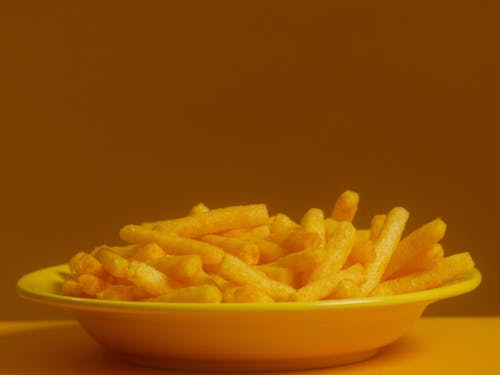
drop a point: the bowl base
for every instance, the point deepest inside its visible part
(249, 365)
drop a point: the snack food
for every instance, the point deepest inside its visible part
(241, 254)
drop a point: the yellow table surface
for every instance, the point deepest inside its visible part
(468, 345)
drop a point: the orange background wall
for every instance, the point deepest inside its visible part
(116, 112)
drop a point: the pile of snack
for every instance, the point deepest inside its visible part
(241, 254)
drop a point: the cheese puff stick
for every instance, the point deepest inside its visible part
(410, 246)
(314, 221)
(240, 273)
(384, 247)
(346, 206)
(337, 250)
(447, 269)
(200, 208)
(191, 294)
(216, 221)
(324, 287)
(172, 244)
(246, 250)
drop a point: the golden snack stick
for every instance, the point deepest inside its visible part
(235, 232)
(281, 274)
(172, 244)
(301, 279)
(426, 260)
(299, 240)
(202, 279)
(362, 234)
(337, 250)
(410, 246)
(346, 206)
(324, 287)
(376, 225)
(347, 289)
(270, 220)
(314, 221)
(148, 278)
(197, 223)
(112, 262)
(148, 253)
(83, 263)
(268, 250)
(218, 281)
(183, 268)
(240, 273)
(261, 231)
(431, 257)
(122, 293)
(216, 221)
(302, 261)
(211, 268)
(118, 280)
(385, 246)
(126, 251)
(246, 250)
(150, 224)
(330, 226)
(362, 252)
(198, 293)
(281, 227)
(200, 208)
(92, 284)
(246, 294)
(447, 269)
(228, 292)
(72, 288)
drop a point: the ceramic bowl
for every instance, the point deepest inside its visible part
(245, 336)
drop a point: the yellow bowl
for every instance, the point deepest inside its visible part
(248, 337)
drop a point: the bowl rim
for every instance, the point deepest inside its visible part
(29, 287)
